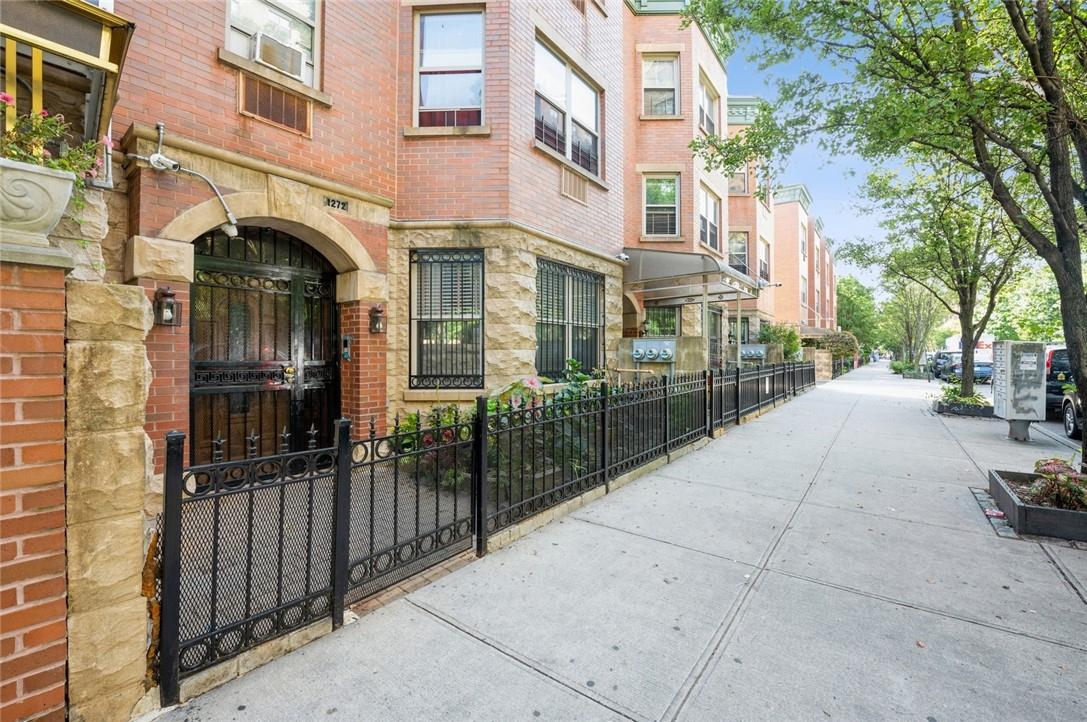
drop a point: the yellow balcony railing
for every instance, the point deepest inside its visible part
(66, 55)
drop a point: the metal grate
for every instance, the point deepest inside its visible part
(574, 186)
(274, 105)
(446, 318)
(569, 318)
(550, 125)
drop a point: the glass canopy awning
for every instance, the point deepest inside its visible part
(676, 278)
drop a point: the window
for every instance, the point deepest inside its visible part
(764, 259)
(804, 290)
(662, 205)
(662, 321)
(449, 63)
(709, 215)
(707, 107)
(287, 29)
(569, 318)
(446, 319)
(804, 241)
(737, 182)
(818, 301)
(659, 85)
(567, 109)
(737, 250)
(745, 330)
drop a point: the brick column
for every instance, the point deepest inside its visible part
(362, 378)
(33, 604)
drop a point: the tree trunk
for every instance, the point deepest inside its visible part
(1074, 311)
(966, 331)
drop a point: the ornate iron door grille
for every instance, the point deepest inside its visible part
(263, 370)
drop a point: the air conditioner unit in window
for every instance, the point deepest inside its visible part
(269, 51)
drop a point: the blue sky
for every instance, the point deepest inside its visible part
(832, 181)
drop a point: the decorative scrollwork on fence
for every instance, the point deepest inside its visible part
(230, 476)
(240, 280)
(237, 376)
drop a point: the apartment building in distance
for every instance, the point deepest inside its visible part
(804, 264)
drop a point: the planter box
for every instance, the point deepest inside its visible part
(981, 412)
(32, 201)
(1031, 519)
(917, 375)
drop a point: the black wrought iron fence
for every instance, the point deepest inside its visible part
(256, 548)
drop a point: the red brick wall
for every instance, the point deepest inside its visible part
(33, 604)
(184, 85)
(168, 354)
(362, 379)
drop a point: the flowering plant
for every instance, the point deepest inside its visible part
(41, 139)
(1059, 485)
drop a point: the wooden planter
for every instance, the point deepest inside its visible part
(1031, 519)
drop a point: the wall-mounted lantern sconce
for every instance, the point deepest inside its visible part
(167, 308)
(377, 319)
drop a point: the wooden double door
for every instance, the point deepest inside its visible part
(264, 372)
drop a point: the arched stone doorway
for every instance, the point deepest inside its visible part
(264, 370)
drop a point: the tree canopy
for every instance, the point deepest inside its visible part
(857, 311)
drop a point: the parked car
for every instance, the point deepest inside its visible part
(942, 361)
(1072, 415)
(1058, 373)
(983, 371)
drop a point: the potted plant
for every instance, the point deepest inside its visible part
(951, 401)
(1050, 502)
(39, 174)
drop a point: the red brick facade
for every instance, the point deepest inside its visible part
(33, 602)
(168, 354)
(362, 377)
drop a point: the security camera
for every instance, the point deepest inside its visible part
(229, 229)
(623, 257)
(160, 162)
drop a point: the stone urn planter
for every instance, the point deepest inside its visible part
(981, 412)
(32, 201)
(1030, 518)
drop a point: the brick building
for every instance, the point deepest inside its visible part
(804, 264)
(314, 209)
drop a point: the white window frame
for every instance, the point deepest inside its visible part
(742, 173)
(804, 241)
(708, 197)
(709, 105)
(803, 290)
(747, 248)
(318, 36)
(417, 55)
(645, 205)
(567, 112)
(763, 256)
(676, 83)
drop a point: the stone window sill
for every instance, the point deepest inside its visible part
(449, 130)
(643, 116)
(550, 152)
(269, 75)
(661, 239)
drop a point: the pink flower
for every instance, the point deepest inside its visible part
(46, 153)
(44, 113)
(532, 382)
(6, 99)
(97, 162)
(107, 141)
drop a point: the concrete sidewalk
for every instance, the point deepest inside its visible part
(825, 561)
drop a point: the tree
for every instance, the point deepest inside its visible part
(945, 235)
(857, 311)
(841, 344)
(997, 87)
(783, 334)
(1029, 309)
(910, 316)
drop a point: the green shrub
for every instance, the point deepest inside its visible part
(783, 334)
(952, 394)
(1059, 485)
(898, 367)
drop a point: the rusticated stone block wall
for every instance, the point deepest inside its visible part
(107, 474)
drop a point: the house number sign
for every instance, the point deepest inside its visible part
(335, 204)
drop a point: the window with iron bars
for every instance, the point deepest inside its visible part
(446, 319)
(569, 318)
(662, 321)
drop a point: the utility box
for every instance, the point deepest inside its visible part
(1019, 385)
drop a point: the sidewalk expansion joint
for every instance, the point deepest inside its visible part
(723, 634)
(1065, 573)
(527, 662)
(930, 610)
(665, 542)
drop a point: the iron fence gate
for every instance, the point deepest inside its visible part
(255, 548)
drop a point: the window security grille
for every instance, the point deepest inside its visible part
(446, 319)
(569, 318)
(662, 321)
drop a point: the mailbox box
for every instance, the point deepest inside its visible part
(1019, 385)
